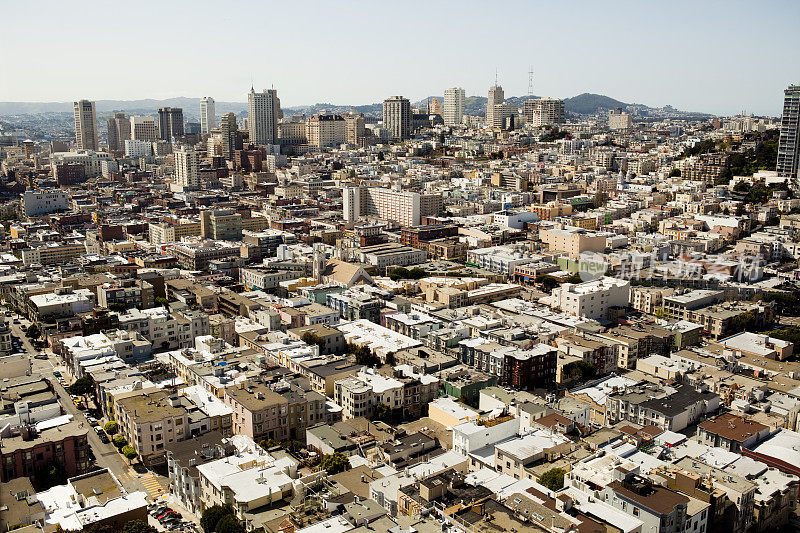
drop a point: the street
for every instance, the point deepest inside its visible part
(106, 455)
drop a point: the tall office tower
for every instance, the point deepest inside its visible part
(263, 113)
(208, 117)
(453, 110)
(789, 140)
(544, 111)
(354, 125)
(170, 122)
(187, 168)
(397, 117)
(144, 129)
(230, 135)
(119, 131)
(434, 107)
(496, 96)
(85, 125)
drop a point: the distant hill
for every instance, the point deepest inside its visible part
(190, 106)
(588, 103)
(583, 104)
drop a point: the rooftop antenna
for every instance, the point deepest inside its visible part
(530, 81)
(495, 77)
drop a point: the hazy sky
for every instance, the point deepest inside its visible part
(719, 57)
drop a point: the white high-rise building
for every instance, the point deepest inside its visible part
(187, 168)
(264, 111)
(453, 109)
(85, 125)
(144, 129)
(136, 148)
(208, 117)
(401, 206)
(496, 97)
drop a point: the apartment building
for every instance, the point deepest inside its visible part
(326, 130)
(151, 420)
(38, 202)
(572, 241)
(591, 299)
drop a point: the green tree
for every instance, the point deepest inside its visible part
(161, 301)
(33, 332)
(579, 370)
(138, 526)
(229, 524)
(111, 427)
(128, 451)
(553, 479)
(82, 387)
(119, 441)
(335, 463)
(390, 359)
(548, 283)
(309, 337)
(382, 412)
(212, 516)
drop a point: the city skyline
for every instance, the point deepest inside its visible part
(661, 56)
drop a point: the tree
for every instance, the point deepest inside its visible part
(33, 332)
(128, 451)
(119, 441)
(309, 337)
(138, 526)
(553, 479)
(335, 463)
(229, 524)
(111, 427)
(579, 370)
(382, 412)
(548, 283)
(82, 386)
(163, 302)
(390, 360)
(212, 516)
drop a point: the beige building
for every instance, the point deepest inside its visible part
(354, 128)
(572, 241)
(326, 130)
(150, 420)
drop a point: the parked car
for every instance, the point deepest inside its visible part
(57, 374)
(40, 356)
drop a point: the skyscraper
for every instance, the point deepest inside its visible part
(119, 131)
(354, 125)
(789, 141)
(170, 122)
(85, 125)
(397, 117)
(208, 117)
(144, 129)
(187, 168)
(230, 135)
(496, 97)
(263, 111)
(453, 109)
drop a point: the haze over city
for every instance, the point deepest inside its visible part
(408, 267)
(714, 57)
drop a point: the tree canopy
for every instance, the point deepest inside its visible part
(212, 516)
(82, 386)
(138, 526)
(111, 427)
(335, 463)
(553, 479)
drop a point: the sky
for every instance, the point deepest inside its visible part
(720, 57)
